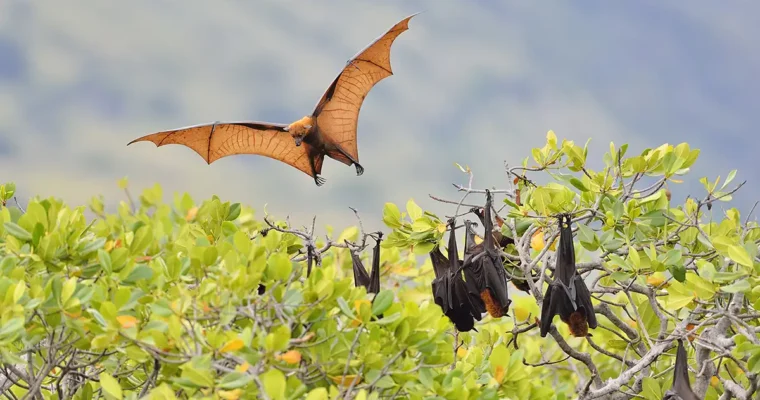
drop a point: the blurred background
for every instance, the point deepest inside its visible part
(478, 83)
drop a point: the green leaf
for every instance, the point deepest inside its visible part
(279, 266)
(233, 212)
(345, 308)
(413, 210)
(382, 301)
(105, 260)
(578, 184)
(17, 231)
(274, 383)
(391, 216)
(736, 287)
(739, 255)
(235, 380)
(319, 393)
(110, 385)
(12, 328)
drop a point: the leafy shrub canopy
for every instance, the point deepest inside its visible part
(183, 299)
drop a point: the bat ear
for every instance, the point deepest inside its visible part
(286, 129)
(307, 126)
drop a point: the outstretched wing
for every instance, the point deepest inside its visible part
(337, 112)
(221, 139)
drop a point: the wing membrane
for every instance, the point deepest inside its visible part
(222, 139)
(337, 112)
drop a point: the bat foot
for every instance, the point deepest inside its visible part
(359, 169)
(319, 180)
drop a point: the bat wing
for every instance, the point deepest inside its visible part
(374, 276)
(360, 273)
(462, 313)
(440, 285)
(496, 280)
(221, 139)
(583, 299)
(337, 112)
(681, 388)
(552, 300)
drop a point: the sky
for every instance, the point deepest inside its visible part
(478, 83)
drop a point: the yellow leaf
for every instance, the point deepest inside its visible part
(358, 304)
(714, 381)
(191, 213)
(521, 313)
(233, 345)
(441, 228)
(108, 246)
(537, 242)
(653, 280)
(243, 367)
(230, 394)
(461, 352)
(478, 240)
(499, 375)
(291, 357)
(345, 380)
(126, 321)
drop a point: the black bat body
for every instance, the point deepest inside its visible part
(361, 278)
(568, 295)
(681, 389)
(484, 268)
(502, 241)
(450, 291)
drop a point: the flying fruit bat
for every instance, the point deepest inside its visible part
(681, 388)
(568, 295)
(450, 291)
(485, 270)
(371, 281)
(330, 130)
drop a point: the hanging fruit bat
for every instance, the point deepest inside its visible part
(450, 291)
(568, 295)
(503, 241)
(330, 130)
(517, 277)
(681, 388)
(371, 281)
(485, 270)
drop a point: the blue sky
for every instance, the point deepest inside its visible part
(78, 80)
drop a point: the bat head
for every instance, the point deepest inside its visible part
(299, 129)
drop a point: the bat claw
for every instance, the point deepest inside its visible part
(359, 169)
(319, 180)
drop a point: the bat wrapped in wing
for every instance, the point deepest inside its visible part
(370, 281)
(330, 130)
(484, 269)
(567, 296)
(450, 291)
(518, 279)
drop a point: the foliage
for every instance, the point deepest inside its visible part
(203, 300)
(659, 270)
